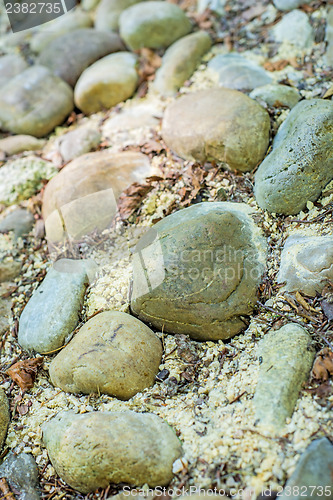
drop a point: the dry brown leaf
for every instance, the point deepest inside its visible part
(23, 373)
(276, 66)
(323, 365)
(131, 198)
(253, 11)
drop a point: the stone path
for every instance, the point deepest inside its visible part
(166, 260)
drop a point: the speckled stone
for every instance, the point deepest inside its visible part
(213, 125)
(199, 285)
(300, 164)
(313, 473)
(285, 358)
(180, 61)
(90, 451)
(21, 472)
(49, 318)
(153, 24)
(34, 102)
(113, 353)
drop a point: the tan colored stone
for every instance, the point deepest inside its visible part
(85, 191)
(9, 269)
(220, 125)
(113, 353)
(90, 451)
(18, 143)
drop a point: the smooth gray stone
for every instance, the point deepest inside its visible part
(328, 57)
(313, 475)
(73, 20)
(20, 221)
(52, 313)
(236, 72)
(306, 263)
(276, 95)
(70, 54)
(294, 28)
(79, 141)
(286, 358)
(10, 66)
(154, 25)
(108, 13)
(21, 472)
(14, 144)
(34, 102)
(301, 163)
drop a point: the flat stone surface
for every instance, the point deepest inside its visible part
(313, 473)
(113, 353)
(202, 286)
(234, 71)
(10, 65)
(70, 54)
(73, 20)
(300, 164)
(92, 450)
(4, 417)
(180, 61)
(86, 190)
(107, 82)
(276, 95)
(306, 263)
(286, 358)
(22, 178)
(49, 318)
(154, 25)
(294, 28)
(20, 221)
(21, 472)
(213, 125)
(18, 143)
(34, 102)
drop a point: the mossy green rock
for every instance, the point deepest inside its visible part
(154, 25)
(198, 270)
(90, 451)
(49, 318)
(286, 359)
(113, 353)
(22, 178)
(180, 61)
(4, 417)
(70, 54)
(110, 80)
(301, 163)
(215, 125)
(35, 102)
